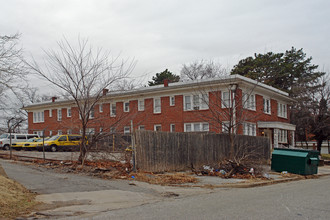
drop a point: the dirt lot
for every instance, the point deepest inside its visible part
(15, 199)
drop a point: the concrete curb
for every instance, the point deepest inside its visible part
(250, 185)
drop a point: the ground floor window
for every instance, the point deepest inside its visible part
(196, 127)
(249, 129)
(157, 127)
(126, 130)
(282, 136)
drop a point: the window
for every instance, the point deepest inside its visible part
(141, 127)
(50, 133)
(74, 138)
(282, 136)
(126, 106)
(90, 131)
(20, 137)
(38, 117)
(267, 109)
(63, 138)
(112, 130)
(126, 130)
(172, 127)
(157, 105)
(113, 110)
(249, 129)
(59, 114)
(68, 112)
(101, 107)
(172, 101)
(91, 112)
(69, 131)
(50, 113)
(195, 127)
(226, 99)
(225, 126)
(249, 101)
(157, 127)
(141, 105)
(59, 132)
(281, 110)
(101, 130)
(196, 102)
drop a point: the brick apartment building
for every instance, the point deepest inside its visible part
(208, 105)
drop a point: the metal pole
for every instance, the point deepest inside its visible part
(43, 144)
(10, 142)
(133, 147)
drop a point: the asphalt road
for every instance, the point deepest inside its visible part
(305, 199)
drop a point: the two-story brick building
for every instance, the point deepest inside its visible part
(252, 108)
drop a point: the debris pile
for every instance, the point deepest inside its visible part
(164, 179)
(232, 169)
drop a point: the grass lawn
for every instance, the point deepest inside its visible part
(15, 199)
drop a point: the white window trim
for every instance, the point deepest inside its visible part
(157, 125)
(67, 112)
(172, 100)
(225, 126)
(50, 113)
(141, 108)
(38, 117)
(124, 103)
(230, 99)
(280, 107)
(249, 101)
(111, 108)
(171, 127)
(264, 101)
(59, 116)
(69, 131)
(201, 104)
(127, 128)
(282, 136)
(160, 105)
(249, 125)
(50, 133)
(200, 125)
(92, 113)
(101, 107)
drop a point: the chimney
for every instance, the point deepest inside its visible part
(105, 91)
(165, 82)
(54, 98)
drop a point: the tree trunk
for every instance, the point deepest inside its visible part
(319, 144)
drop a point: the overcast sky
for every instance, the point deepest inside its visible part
(162, 34)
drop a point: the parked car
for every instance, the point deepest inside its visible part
(70, 142)
(34, 145)
(5, 139)
(20, 145)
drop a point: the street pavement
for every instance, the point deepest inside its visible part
(79, 196)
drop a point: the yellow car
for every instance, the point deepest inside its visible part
(70, 142)
(35, 144)
(19, 145)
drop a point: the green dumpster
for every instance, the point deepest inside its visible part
(299, 161)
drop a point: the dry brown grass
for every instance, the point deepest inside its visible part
(164, 179)
(15, 199)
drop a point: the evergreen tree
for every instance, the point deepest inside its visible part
(160, 77)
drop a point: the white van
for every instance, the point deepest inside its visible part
(5, 139)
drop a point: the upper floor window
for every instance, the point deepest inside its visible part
(249, 129)
(50, 113)
(226, 98)
(38, 117)
(59, 114)
(266, 103)
(172, 100)
(196, 102)
(281, 110)
(126, 106)
(68, 112)
(157, 105)
(91, 113)
(101, 107)
(141, 105)
(249, 101)
(113, 110)
(195, 127)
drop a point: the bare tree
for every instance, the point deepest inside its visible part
(201, 70)
(83, 74)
